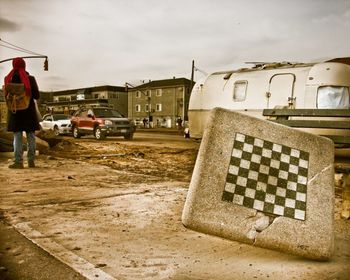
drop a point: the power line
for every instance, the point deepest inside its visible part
(17, 48)
(199, 70)
(20, 49)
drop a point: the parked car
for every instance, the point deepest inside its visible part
(58, 123)
(101, 122)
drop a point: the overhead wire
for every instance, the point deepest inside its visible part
(9, 45)
(14, 49)
(17, 48)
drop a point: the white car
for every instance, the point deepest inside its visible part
(58, 123)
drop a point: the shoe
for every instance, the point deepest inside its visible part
(31, 164)
(16, 165)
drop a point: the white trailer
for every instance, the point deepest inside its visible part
(322, 85)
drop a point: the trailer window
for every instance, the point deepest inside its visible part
(240, 90)
(332, 97)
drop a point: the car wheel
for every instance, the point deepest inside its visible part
(129, 136)
(56, 131)
(76, 133)
(99, 134)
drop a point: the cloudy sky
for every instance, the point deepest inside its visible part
(110, 42)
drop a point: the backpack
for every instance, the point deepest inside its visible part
(16, 97)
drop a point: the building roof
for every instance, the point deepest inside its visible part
(89, 89)
(72, 102)
(164, 83)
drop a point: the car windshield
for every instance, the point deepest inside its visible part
(61, 117)
(107, 113)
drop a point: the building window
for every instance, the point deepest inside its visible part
(159, 92)
(158, 107)
(240, 90)
(138, 94)
(63, 98)
(148, 93)
(112, 95)
(147, 107)
(138, 108)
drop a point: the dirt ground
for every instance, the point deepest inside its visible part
(112, 210)
(159, 159)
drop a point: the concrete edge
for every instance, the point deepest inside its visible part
(77, 263)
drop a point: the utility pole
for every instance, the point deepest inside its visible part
(189, 92)
(192, 73)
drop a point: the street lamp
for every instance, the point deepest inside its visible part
(46, 62)
(20, 49)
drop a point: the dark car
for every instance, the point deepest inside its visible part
(101, 122)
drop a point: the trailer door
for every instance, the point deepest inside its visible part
(281, 90)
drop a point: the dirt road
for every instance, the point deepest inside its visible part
(112, 210)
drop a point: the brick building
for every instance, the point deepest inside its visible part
(160, 102)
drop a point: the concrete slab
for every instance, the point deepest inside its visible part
(263, 184)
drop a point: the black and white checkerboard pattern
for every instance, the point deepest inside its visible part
(268, 177)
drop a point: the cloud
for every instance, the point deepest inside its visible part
(7, 25)
(55, 82)
(116, 41)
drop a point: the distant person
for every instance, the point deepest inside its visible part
(144, 122)
(23, 120)
(179, 123)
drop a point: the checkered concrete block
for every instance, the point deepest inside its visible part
(264, 184)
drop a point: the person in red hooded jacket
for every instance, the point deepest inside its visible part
(23, 120)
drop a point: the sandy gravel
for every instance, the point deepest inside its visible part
(117, 205)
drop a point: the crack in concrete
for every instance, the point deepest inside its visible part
(321, 172)
(259, 225)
